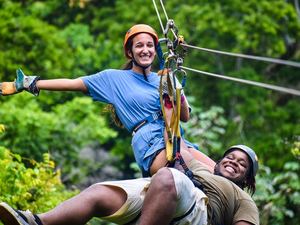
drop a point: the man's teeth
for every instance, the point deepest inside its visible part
(230, 169)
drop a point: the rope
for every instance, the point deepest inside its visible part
(259, 58)
(254, 83)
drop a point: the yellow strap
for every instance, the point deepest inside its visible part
(178, 106)
(169, 142)
(173, 129)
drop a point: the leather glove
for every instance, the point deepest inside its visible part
(169, 84)
(22, 82)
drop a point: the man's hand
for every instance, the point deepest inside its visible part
(21, 83)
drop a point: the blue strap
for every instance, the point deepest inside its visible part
(160, 56)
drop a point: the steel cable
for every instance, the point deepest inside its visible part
(258, 58)
(158, 16)
(254, 83)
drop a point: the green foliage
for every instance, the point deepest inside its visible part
(278, 195)
(257, 117)
(30, 43)
(63, 132)
(73, 38)
(37, 187)
(205, 129)
(2, 128)
(296, 150)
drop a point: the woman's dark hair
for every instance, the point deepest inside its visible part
(127, 66)
(110, 108)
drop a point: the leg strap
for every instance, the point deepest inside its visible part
(184, 215)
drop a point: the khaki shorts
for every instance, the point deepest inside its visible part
(187, 196)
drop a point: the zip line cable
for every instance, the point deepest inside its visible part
(258, 58)
(254, 83)
(166, 16)
(157, 12)
(163, 8)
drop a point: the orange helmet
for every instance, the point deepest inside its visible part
(136, 29)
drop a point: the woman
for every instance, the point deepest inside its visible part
(133, 92)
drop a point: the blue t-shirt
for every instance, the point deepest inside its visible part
(134, 99)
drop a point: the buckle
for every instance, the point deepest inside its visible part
(149, 119)
(156, 115)
(138, 127)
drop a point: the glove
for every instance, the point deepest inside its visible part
(23, 82)
(168, 85)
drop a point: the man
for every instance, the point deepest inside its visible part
(169, 197)
(227, 202)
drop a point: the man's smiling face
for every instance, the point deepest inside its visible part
(234, 166)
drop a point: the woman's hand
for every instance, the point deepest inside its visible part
(22, 82)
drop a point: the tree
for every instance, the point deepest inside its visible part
(63, 132)
(74, 38)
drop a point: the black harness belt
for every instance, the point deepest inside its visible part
(148, 119)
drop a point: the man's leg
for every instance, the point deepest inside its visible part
(160, 200)
(97, 200)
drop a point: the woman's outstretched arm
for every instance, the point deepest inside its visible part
(62, 85)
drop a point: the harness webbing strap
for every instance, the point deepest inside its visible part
(173, 126)
(149, 119)
(184, 215)
(187, 171)
(168, 87)
(160, 55)
(169, 144)
(176, 219)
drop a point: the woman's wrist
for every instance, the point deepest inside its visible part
(182, 99)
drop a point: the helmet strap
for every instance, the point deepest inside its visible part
(142, 67)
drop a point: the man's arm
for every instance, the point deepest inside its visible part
(190, 153)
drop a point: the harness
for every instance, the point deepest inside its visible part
(172, 89)
(148, 119)
(176, 219)
(170, 66)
